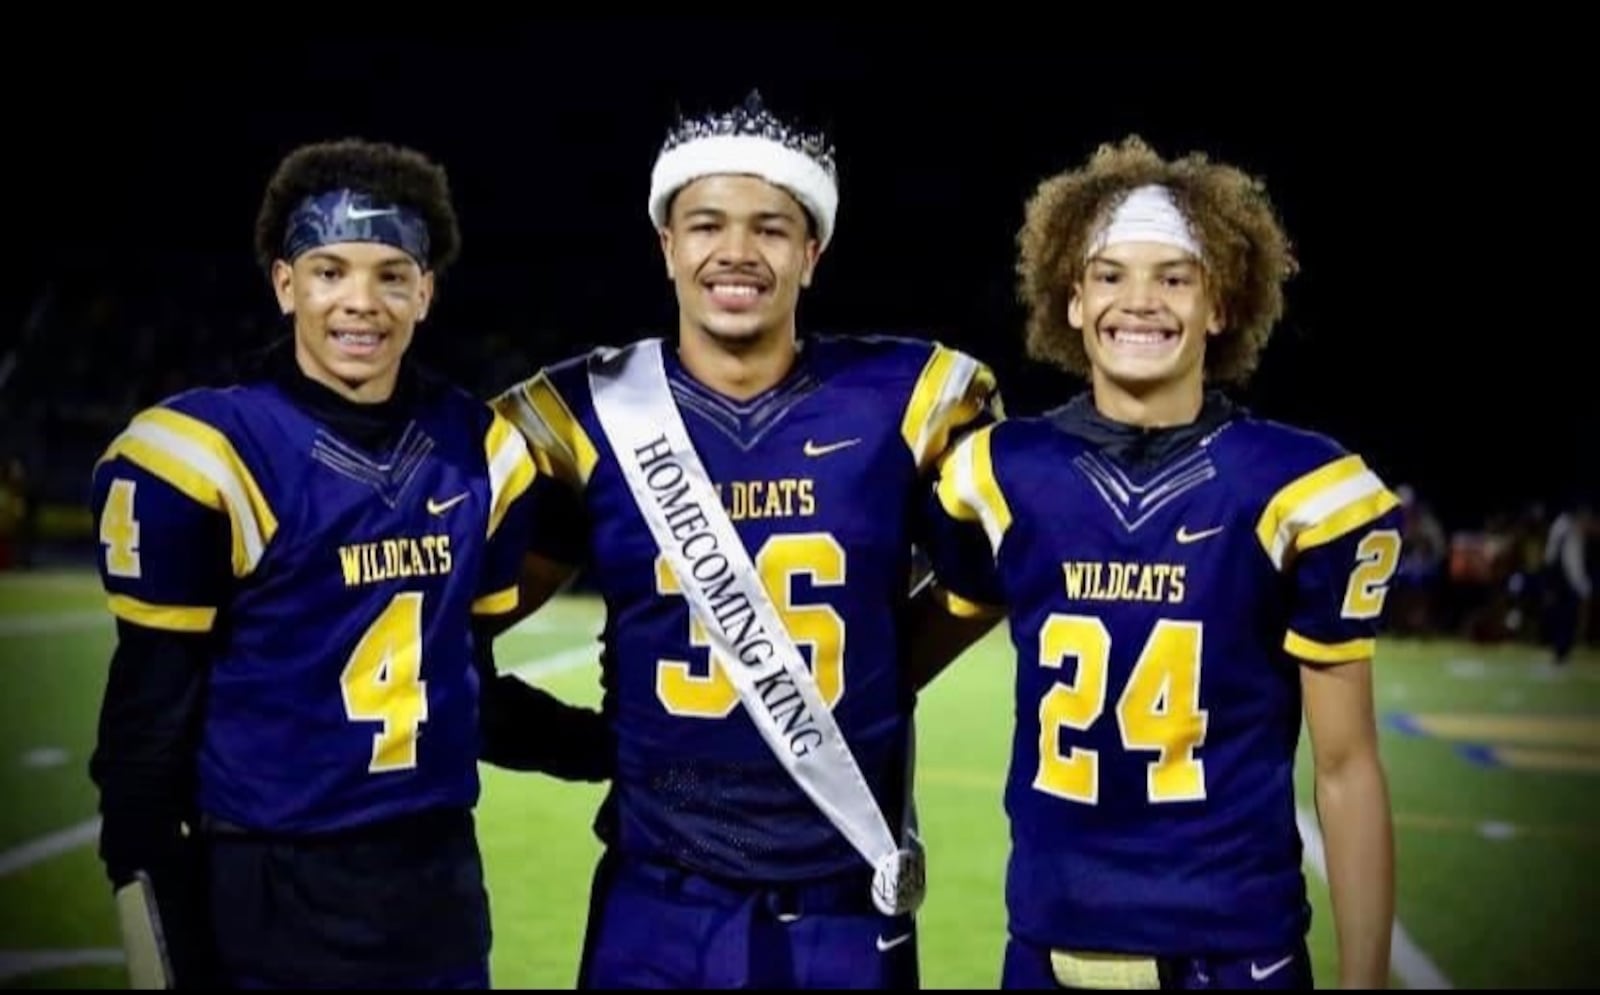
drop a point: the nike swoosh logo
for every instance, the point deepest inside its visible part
(891, 944)
(362, 213)
(811, 448)
(1185, 536)
(1258, 973)
(440, 507)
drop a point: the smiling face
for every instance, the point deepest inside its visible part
(738, 251)
(1145, 312)
(356, 306)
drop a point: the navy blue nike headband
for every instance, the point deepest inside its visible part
(354, 216)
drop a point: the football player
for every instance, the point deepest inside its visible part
(747, 500)
(1182, 578)
(288, 742)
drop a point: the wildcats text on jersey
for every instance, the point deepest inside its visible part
(386, 559)
(1109, 581)
(786, 497)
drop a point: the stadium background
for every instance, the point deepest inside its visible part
(1434, 329)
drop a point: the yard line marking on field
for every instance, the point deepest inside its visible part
(43, 757)
(533, 624)
(1585, 834)
(49, 623)
(558, 662)
(1580, 732)
(1521, 669)
(49, 845)
(49, 580)
(16, 964)
(1409, 962)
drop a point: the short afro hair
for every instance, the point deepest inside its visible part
(388, 173)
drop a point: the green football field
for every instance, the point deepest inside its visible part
(1494, 765)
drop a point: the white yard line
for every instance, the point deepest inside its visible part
(49, 845)
(534, 623)
(21, 963)
(1412, 965)
(52, 622)
(557, 662)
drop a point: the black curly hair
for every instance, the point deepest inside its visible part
(389, 173)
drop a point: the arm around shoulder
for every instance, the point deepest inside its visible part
(526, 728)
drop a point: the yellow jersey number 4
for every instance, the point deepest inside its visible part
(382, 682)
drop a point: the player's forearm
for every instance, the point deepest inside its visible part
(144, 757)
(541, 579)
(1353, 806)
(527, 728)
(936, 637)
(143, 765)
(522, 727)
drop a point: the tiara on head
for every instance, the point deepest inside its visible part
(753, 118)
(749, 139)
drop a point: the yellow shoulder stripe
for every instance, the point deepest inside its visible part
(511, 469)
(950, 392)
(173, 618)
(200, 461)
(1321, 506)
(968, 489)
(560, 446)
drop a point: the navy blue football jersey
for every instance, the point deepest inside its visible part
(1159, 622)
(339, 585)
(823, 478)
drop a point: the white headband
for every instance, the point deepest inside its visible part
(1147, 214)
(773, 161)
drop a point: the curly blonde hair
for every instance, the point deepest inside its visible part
(1246, 254)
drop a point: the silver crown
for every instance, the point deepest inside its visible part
(753, 118)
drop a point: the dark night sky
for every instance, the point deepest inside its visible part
(1394, 168)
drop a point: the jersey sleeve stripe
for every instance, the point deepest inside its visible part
(498, 603)
(173, 618)
(200, 461)
(538, 410)
(961, 607)
(950, 392)
(511, 469)
(1353, 515)
(1315, 652)
(1319, 507)
(969, 491)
